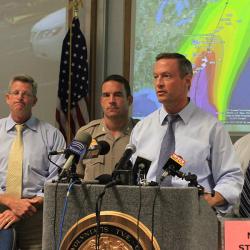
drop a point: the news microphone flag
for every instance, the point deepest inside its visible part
(73, 90)
(172, 166)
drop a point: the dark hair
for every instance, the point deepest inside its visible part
(122, 80)
(25, 79)
(185, 65)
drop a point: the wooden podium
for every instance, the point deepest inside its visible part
(182, 219)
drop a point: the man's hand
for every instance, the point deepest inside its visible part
(37, 201)
(7, 218)
(215, 200)
(22, 207)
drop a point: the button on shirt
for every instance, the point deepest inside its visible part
(203, 143)
(39, 138)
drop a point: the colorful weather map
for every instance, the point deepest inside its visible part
(214, 36)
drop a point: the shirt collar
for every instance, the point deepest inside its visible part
(102, 129)
(163, 114)
(31, 123)
(185, 113)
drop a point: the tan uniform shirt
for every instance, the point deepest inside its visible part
(104, 164)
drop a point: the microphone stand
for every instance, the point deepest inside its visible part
(123, 175)
(73, 177)
(69, 175)
(191, 178)
(98, 209)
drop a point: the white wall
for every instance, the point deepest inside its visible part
(17, 55)
(109, 53)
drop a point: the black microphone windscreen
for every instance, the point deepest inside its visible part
(131, 147)
(104, 147)
(83, 137)
(129, 150)
(104, 178)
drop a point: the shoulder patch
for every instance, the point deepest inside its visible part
(91, 124)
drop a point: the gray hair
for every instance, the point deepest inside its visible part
(25, 79)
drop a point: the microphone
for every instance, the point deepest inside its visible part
(76, 149)
(172, 167)
(58, 152)
(104, 178)
(129, 150)
(140, 171)
(111, 180)
(107, 180)
(96, 148)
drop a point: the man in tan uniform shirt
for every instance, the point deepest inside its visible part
(115, 127)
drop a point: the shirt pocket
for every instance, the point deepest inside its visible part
(94, 167)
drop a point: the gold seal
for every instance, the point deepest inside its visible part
(118, 231)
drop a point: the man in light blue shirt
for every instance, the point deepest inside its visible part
(39, 138)
(200, 139)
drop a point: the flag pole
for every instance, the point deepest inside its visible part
(69, 83)
(75, 14)
(72, 110)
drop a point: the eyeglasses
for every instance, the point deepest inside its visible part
(23, 94)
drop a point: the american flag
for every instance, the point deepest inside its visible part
(72, 110)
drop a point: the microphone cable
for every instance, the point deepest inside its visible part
(64, 212)
(108, 181)
(59, 168)
(55, 215)
(98, 219)
(139, 214)
(55, 207)
(98, 208)
(153, 215)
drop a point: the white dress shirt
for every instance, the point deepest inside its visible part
(203, 143)
(39, 138)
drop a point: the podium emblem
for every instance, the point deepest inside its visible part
(117, 231)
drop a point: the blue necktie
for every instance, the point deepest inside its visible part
(245, 196)
(167, 145)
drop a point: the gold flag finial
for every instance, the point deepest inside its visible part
(74, 4)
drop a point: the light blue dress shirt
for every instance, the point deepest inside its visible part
(203, 143)
(39, 138)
